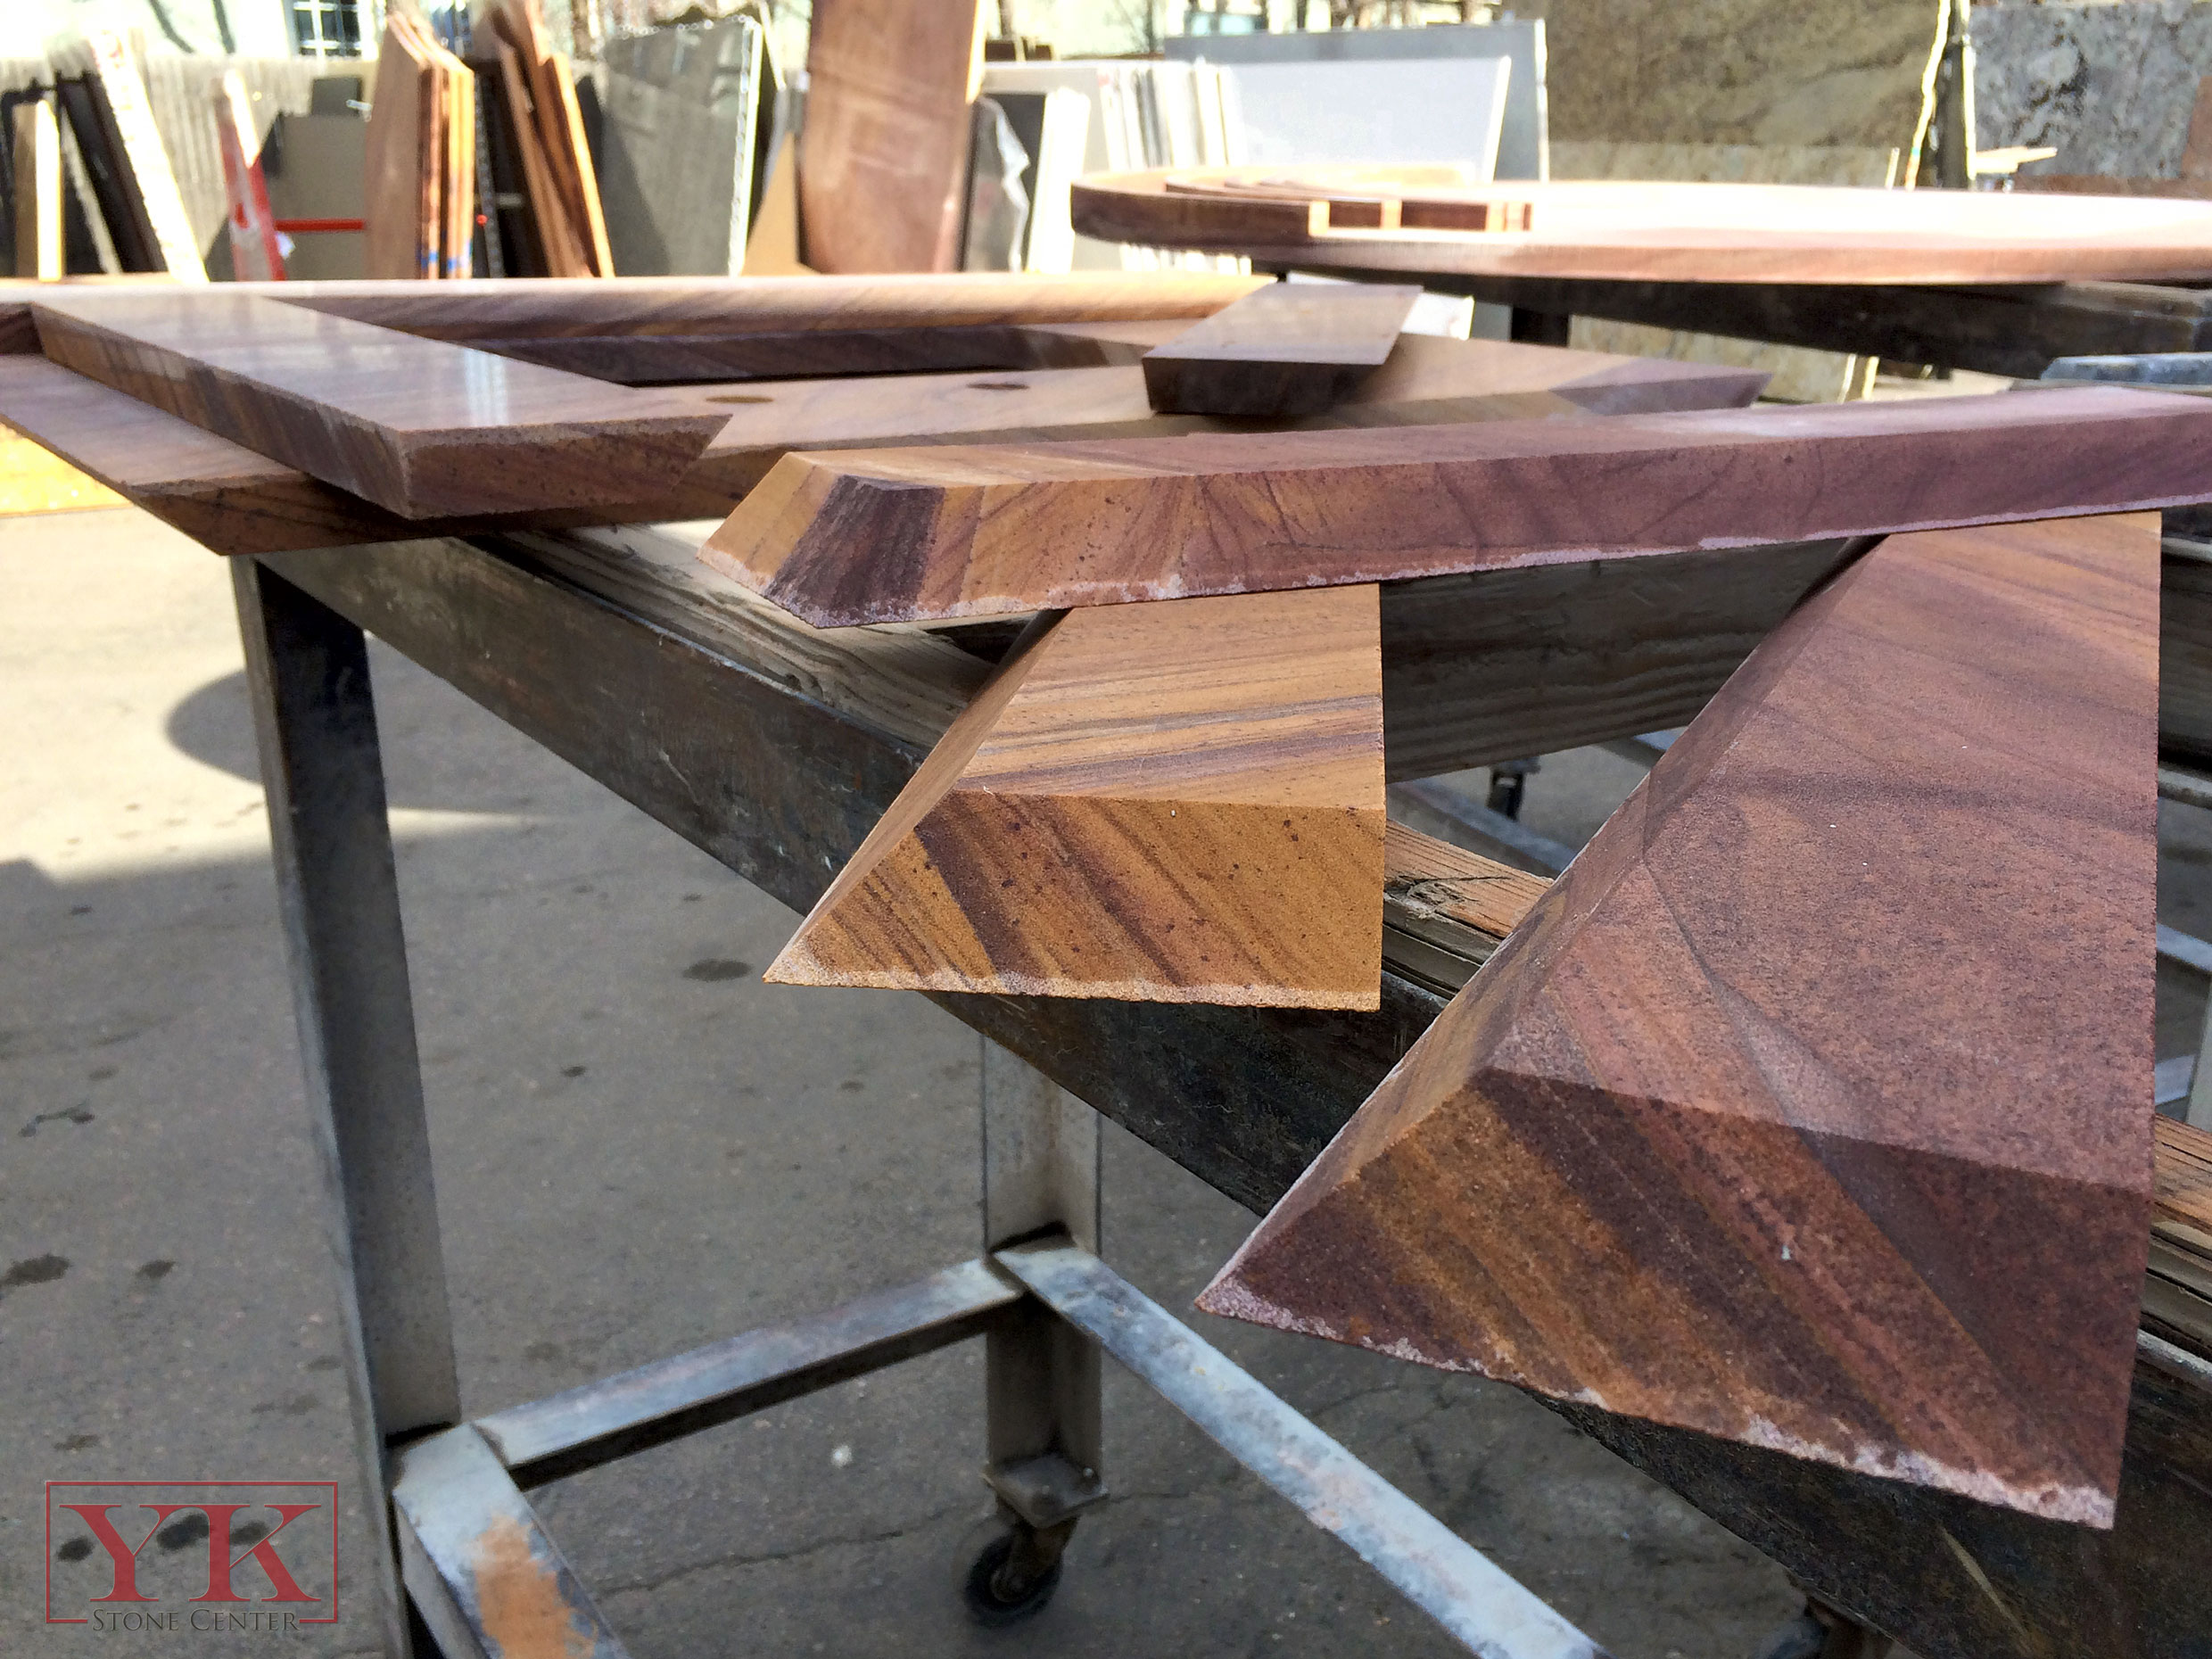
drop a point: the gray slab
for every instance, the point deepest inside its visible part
(317, 167)
(680, 120)
(2112, 86)
(997, 227)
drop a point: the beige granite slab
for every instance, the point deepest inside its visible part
(1826, 72)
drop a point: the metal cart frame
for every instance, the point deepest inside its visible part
(782, 749)
(460, 1540)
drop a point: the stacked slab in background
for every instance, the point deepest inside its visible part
(1745, 71)
(1521, 136)
(175, 89)
(883, 157)
(539, 145)
(119, 164)
(1758, 91)
(1140, 115)
(704, 94)
(421, 182)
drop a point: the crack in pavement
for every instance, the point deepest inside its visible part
(1395, 1387)
(797, 1553)
(734, 1560)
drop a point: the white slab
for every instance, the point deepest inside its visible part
(1522, 139)
(1296, 114)
(1143, 115)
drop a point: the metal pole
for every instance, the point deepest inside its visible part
(1040, 1174)
(1954, 103)
(316, 721)
(2198, 1112)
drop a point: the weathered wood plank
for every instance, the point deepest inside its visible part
(1504, 664)
(1177, 802)
(1437, 898)
(1436, 881)
(782, 748)
(2185, 650)
(422, 428)
(1676, 1154)
(889, 535)
(1290, 349)
(2177, 1288)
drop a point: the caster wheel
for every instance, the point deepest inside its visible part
(994, 1603)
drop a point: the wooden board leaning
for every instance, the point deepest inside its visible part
(1162, 802)
(1687, 1149)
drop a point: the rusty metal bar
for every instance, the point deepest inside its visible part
(2176, 1362)
(482, 1573)
(599, 1421)
(1435, 1569)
